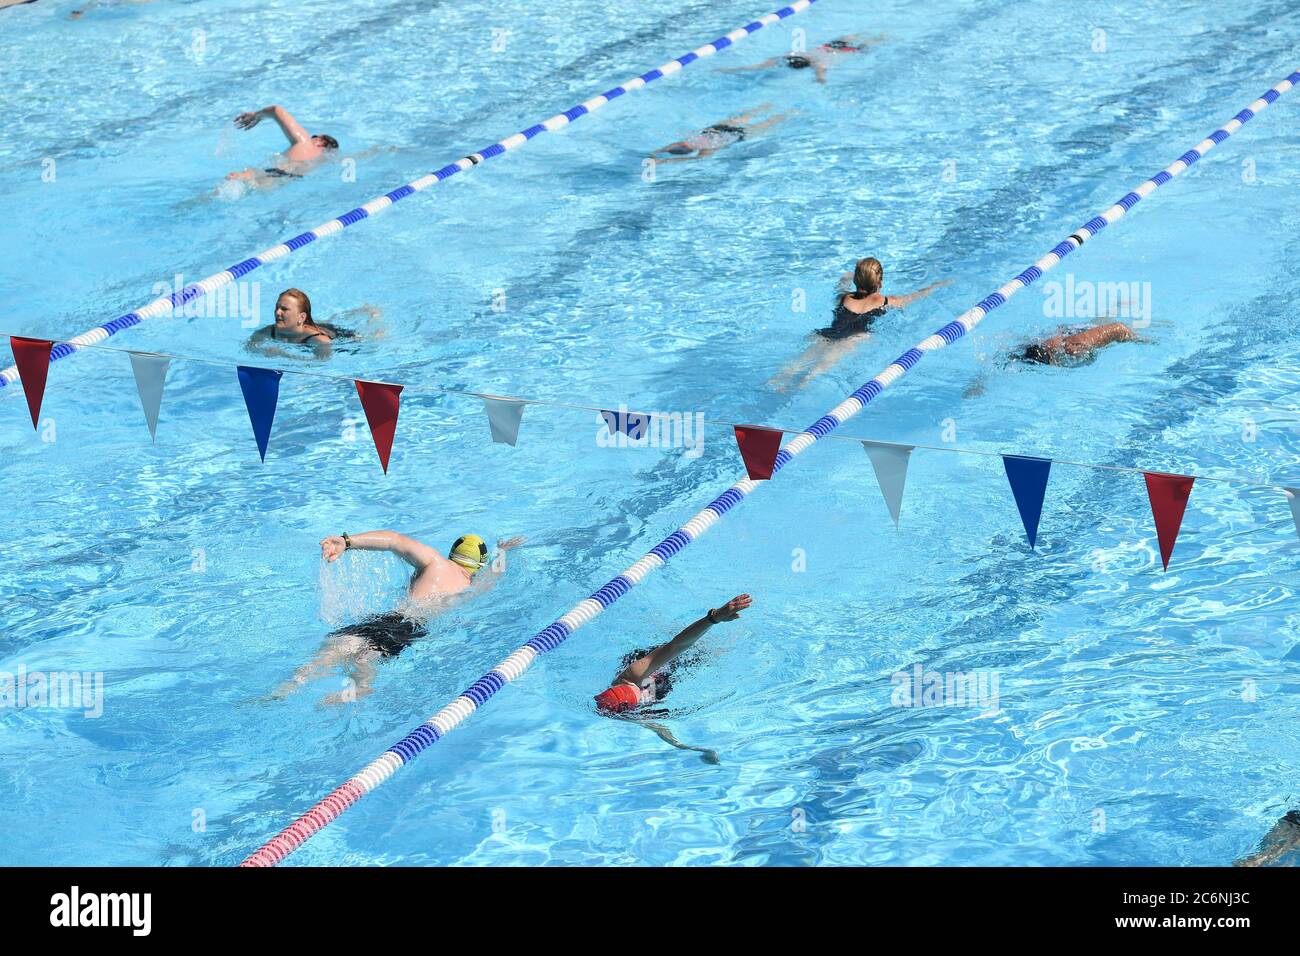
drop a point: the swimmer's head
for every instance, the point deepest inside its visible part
(1036, 353)
(470, 552)
(617, 699)
(292, 309)
(868, 275)
(679, 149)
(325, 142)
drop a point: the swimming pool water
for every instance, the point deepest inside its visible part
(1145, 718)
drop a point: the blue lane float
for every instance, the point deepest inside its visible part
(164, 305)
(551, 637)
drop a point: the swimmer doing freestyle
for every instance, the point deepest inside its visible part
(646, 676)
(304, 153)
(819, 59)
(436, 584)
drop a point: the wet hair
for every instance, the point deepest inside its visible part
(329, 141)
(868, 275)
(1034, 352)
(680, 149)
(304, 303)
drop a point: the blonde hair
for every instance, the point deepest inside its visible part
(868, 275)
(304, 303)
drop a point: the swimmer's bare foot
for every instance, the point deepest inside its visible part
(349, 695)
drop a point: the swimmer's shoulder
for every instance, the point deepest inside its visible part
(861, 306)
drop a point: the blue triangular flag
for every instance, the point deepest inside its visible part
(631, 424)
(1028, 477)
(261, 387)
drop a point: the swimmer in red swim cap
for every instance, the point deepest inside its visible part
(646, 677)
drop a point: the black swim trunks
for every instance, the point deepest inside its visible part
(275, 172)
(389, 633)
(797, 61)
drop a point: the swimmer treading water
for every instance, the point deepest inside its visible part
(436, 585)
(294, 325)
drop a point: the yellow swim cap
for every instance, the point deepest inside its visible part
(469, 551)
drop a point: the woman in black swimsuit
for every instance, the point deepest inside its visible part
(855, 313)
(719, 136)
(295, 326)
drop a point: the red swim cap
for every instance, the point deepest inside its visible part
(618, 698)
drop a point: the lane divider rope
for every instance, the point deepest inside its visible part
(481, 691)
(166, 304)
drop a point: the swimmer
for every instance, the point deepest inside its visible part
(295, 326)
(820, 58)
(1280, 841)
(1075, 347)
(304, 152)
(647, 675)
(855, 313)
(435, 586)
(719, 136)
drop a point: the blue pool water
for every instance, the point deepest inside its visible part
(1145, 718)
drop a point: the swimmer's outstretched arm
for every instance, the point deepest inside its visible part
(898, 301)
(662, 655)
(702, 154)
(291, 128)
(489, 576)
(1095, 338)
(415, 553)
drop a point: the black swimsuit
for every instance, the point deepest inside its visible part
(276, 172)
(331, 332)
(847, 322)
(389, 633)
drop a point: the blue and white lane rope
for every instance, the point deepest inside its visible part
(447, 719)
(165, 304)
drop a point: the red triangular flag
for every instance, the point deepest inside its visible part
(381, 402)
(758, 446)
(1168, 494)
(32, 356)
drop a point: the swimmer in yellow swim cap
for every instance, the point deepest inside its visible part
(470, 552)
(437, 583)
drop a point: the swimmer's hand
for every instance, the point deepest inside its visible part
(248, 120)
(731, 610)
(332, 547)
(504, 544)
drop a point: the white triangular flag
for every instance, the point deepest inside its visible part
(150, 372)
(890, 464)
(1293, 499)
(503, 418)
